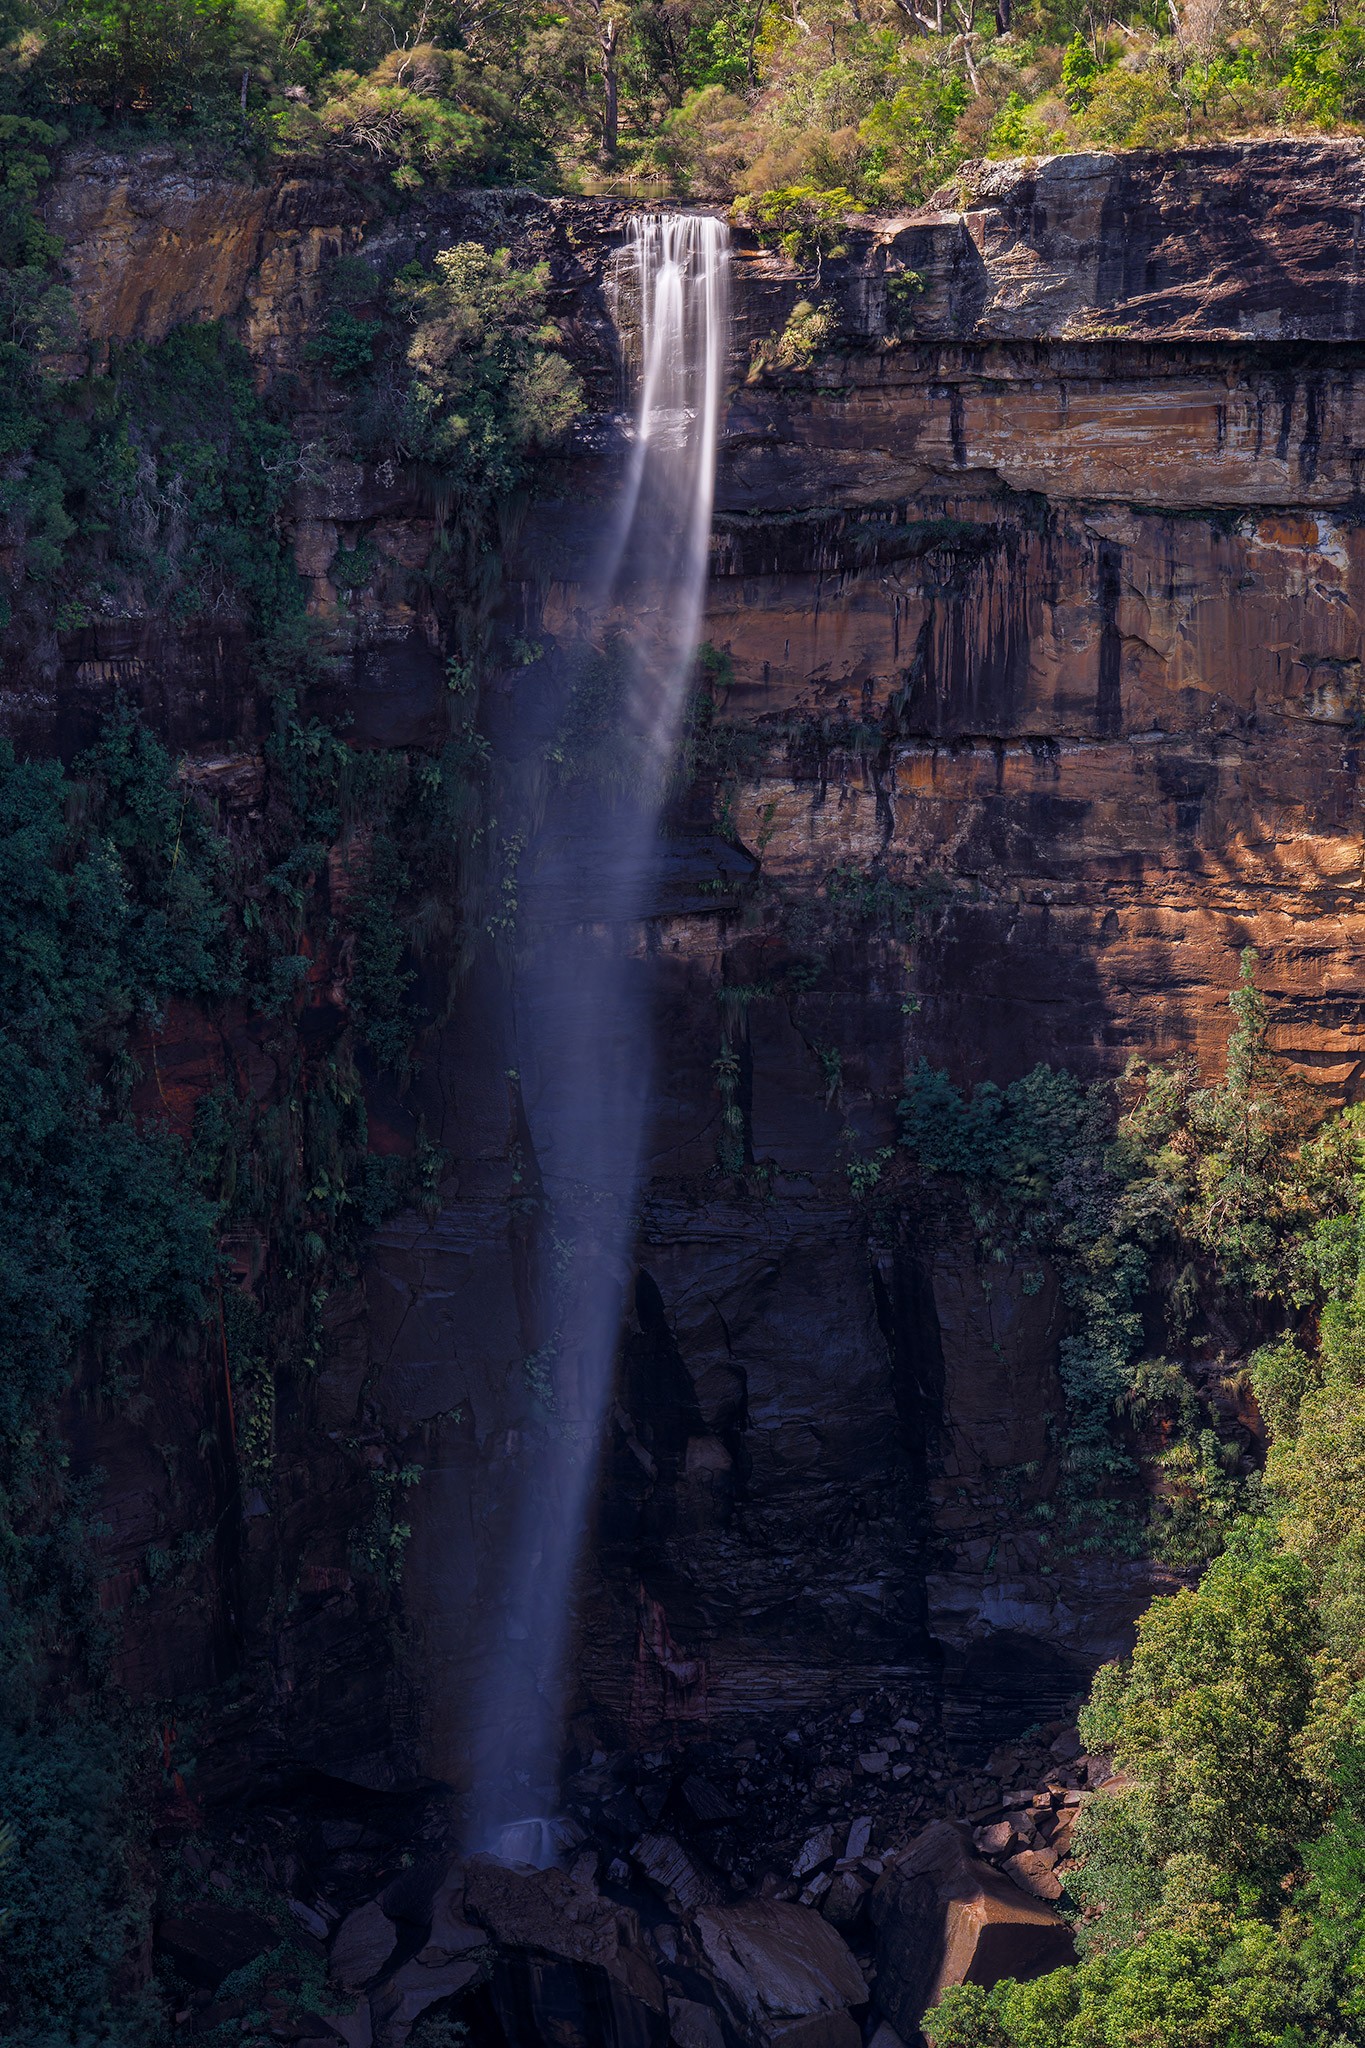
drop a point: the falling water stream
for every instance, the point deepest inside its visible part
(582, 1011)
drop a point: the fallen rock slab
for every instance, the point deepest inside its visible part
(843, 1903)
(943, 1916)
(412, 1991)
(692, 2025)
(666, 1865)
(818, 1850)
(451, 1935)
(356, 2028)
(361, 1946)
(783, 1975)
(570, 1968)
(1032, 1870)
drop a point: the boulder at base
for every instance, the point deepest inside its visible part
(570, 1969)
(362, 1945)
(784, 1975)
(945, 1917)
(398, 2004)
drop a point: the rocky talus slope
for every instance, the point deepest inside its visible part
(1043, 609)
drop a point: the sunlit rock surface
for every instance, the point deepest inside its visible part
(1048, 609)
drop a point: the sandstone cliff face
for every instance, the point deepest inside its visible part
(1049, 610)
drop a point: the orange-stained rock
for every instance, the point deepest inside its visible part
(1051, 612)
(148, 244)
(943, 1916)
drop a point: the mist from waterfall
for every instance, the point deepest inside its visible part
(582, 1000)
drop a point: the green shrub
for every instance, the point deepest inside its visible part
(1080, 69)
(1208, 1713)
(806, 224)
(489, 384)
(1222, 1880)
(1227, 1179)
(346, 345)
(148, 55)
(907, 137)
(158, 486)
(73, 1888)
(1223, 1984)
(103, 923)
(407, 114)
(809, 331)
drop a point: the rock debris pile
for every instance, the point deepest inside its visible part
(784, 1892)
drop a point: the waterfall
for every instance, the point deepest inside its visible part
(582, 998)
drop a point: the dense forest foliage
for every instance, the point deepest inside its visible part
(820, 104)
(1220, 1892)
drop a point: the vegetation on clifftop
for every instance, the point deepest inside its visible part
(800, 105)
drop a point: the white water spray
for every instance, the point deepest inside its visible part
(583, 1027)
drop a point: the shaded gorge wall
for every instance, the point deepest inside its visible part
(1032, 697)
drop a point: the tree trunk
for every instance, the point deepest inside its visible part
(1003, 10)
(606, 37)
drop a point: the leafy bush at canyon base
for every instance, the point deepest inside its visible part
(1223, 1882)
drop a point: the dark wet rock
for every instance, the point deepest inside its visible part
(844, 1902)
(408, 1898)
(817, 1851)
(208, 1942)
(692, 2025)
(309, 1919)
(362, 1945)
(413, 1990)
(672, 1872)
(784, 1975)
(831, 1782)
(859, 1836)
(220, 2012)
(813, 1893)
(451, 1935)
(943, 1916)
(706, 1806)
(311, 2026)
(571, 1968)
(622, 1812)
(356, 2028)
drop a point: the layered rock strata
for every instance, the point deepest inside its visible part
(1044, 612)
